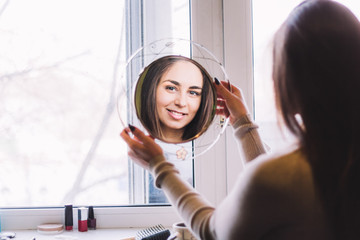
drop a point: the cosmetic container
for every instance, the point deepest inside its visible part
(82, 219)
(68, 217)
(50, 228)
(91, 219)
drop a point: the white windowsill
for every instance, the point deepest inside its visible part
(106, 218)
(108, 234)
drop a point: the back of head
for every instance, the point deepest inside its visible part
(316, 74)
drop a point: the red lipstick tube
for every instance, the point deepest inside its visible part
(82, 219)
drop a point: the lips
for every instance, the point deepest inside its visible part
(176, 115)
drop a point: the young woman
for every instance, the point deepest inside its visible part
(175, 99)
(311, 190)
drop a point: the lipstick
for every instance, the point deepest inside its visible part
(91, 219)
(82, 219)
(68, 217)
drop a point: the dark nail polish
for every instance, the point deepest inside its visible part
(132, 128)
(91, 221)
(217, 81)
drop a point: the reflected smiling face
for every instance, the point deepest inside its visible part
(178, 97)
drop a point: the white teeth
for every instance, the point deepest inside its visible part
(176, 113)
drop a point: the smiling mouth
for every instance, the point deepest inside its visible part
(176, 113)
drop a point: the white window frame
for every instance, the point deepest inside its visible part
(223, 27)
(238, 51)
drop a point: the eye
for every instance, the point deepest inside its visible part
(194, 93)
(170, 88)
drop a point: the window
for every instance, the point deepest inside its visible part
(59, 140)
(60, 129)
(267, 18)
(146, 19)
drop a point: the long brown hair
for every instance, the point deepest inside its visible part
(316, 74)
(149, 115)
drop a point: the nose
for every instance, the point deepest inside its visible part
(180, 100)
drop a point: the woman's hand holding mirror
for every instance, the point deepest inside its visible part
(142, 148)
(230, 103)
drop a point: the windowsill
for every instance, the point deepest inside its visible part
(108, 234)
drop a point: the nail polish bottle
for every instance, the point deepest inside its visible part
(82, 219)
(91, 219)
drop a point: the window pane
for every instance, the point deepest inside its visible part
(155, 37)
(267, 18)
(59, 128)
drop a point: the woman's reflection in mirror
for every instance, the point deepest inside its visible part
(177, 99)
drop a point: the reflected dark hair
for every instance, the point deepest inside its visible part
(316, 73)
(148, 113)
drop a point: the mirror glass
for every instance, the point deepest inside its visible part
(175, 99)
(168, 92)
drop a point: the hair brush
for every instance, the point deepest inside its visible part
(157, 232)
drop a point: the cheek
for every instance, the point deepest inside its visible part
(163, 98)
(194, 105)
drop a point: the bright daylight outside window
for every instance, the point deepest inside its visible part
(59, 127)
(267, 18)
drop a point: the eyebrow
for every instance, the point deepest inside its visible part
(178, 84)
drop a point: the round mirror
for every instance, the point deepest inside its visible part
(175, 99)
(166, 90)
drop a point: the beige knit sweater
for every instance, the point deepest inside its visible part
(274, 197)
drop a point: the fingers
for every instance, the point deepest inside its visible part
(139, 161)
(222, 89)
(141, 136)
(142, 148)
(129, 141)
(226, 84)
(221, 108)
(223, 112)
(235, 106)
(231, 89)
(125, 135)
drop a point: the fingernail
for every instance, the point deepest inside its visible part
(217, 81)
(132, 128)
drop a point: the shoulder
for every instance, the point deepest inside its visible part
(273, 190)
(279, 184)
(283, 170)
(291, 161)
(284, 174)
(284, 179)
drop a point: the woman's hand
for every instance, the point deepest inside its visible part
(143, 148)
(230, 103)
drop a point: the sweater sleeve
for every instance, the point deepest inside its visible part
(196, 212)
(190, 205)
(248, 138)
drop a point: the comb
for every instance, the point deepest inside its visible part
(157, 232)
